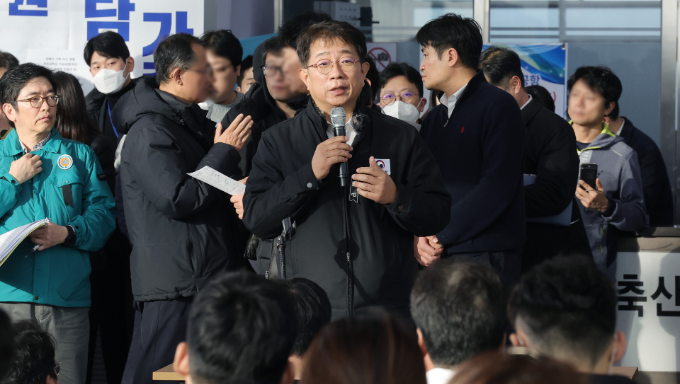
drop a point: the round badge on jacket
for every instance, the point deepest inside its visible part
(65, 162)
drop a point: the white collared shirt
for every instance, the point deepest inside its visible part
(451, 101)
(439, 375)
(621, 128)
(527, 103)
(349, 131)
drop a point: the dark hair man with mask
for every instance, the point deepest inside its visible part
(355, 241)
(550, 155)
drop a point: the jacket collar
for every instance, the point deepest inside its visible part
(360, 118)
(605, 139)
(531, 110)
(627, 133)
(471, 88)
(11, 145)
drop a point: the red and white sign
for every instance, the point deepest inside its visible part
(382, 53)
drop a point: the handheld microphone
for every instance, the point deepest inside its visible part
(338, 118)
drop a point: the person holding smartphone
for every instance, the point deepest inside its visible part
(614, 200)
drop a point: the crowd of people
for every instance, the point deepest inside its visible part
(382, 237)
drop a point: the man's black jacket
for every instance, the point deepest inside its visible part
(480, 151)
(382, 268)
(655, 184)
(550, 154)
(261, 107)
(179, 226)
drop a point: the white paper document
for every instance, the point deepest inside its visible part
(11, 240)
(222, 182)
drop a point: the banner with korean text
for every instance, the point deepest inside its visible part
(54, 32)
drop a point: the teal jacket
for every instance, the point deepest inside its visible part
(59, 275)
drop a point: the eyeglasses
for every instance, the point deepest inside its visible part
(57, 368)
(406, 96)
(325, 66)
(37, 101)
(272, 70)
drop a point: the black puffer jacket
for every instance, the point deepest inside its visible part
(377, 239)
(180, 233)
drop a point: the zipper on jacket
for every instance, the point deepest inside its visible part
(350, 269)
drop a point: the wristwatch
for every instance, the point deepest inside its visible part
(71, 238)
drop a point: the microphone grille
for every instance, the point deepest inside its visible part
(338, 116)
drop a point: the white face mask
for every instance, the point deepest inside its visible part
(109, 81)
(403, 111)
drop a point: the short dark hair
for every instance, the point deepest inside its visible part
(107, 44)
(313, 311)
(224, 44)
(291, 29)
(328, 31)
(373, 76)
(241, 329)
(603, 81)
(272, 45)
(402, 69)
(567, 305)
(453, 31)
(459, 306)
(16, 79)
(500, 64)
(8, 61)
(176, 51)
(542, 95)
(33, 355)
(6, 344)
(374, 348)
(246, 64)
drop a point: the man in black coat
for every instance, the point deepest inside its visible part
(179, 228)
(655, 184)
(356, 242)
(477, 137)
(550, 157)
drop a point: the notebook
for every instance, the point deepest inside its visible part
(11, 240)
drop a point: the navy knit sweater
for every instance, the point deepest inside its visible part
(480, 151)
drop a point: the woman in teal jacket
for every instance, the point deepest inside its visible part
(43, 176)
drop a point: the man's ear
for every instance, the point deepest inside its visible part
(620, 343)
(130, 64)
(176, 76)
(304, 76)
(365, 66)
(288, 375)
(452, 57)
(181, 362)
(9, 111)
(427, 360)
(610, 108)
(238, 70)
(516, 84)
(423, 103)
(514, 340)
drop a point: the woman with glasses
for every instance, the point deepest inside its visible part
(44, 176)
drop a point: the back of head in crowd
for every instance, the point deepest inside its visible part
(7, 62)
(6, 344)
(241, 329)
(503, 68)
(459, 309)
(246, 79)
(600, 81)
(33, 361)
(566, 308)
(109, 60)
(313, 312)
(401, 92)
(519, 366)
(451, 44)
(224, 53)
(376, 348)
(543, 95)
(73, 122)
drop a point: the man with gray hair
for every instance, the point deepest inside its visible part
(179, 231)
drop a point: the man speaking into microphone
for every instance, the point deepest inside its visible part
(355, 241)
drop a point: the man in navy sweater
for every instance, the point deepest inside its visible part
(477, 137)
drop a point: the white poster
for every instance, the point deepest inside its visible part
(382, 53)
(649, 309)
(37, 29)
